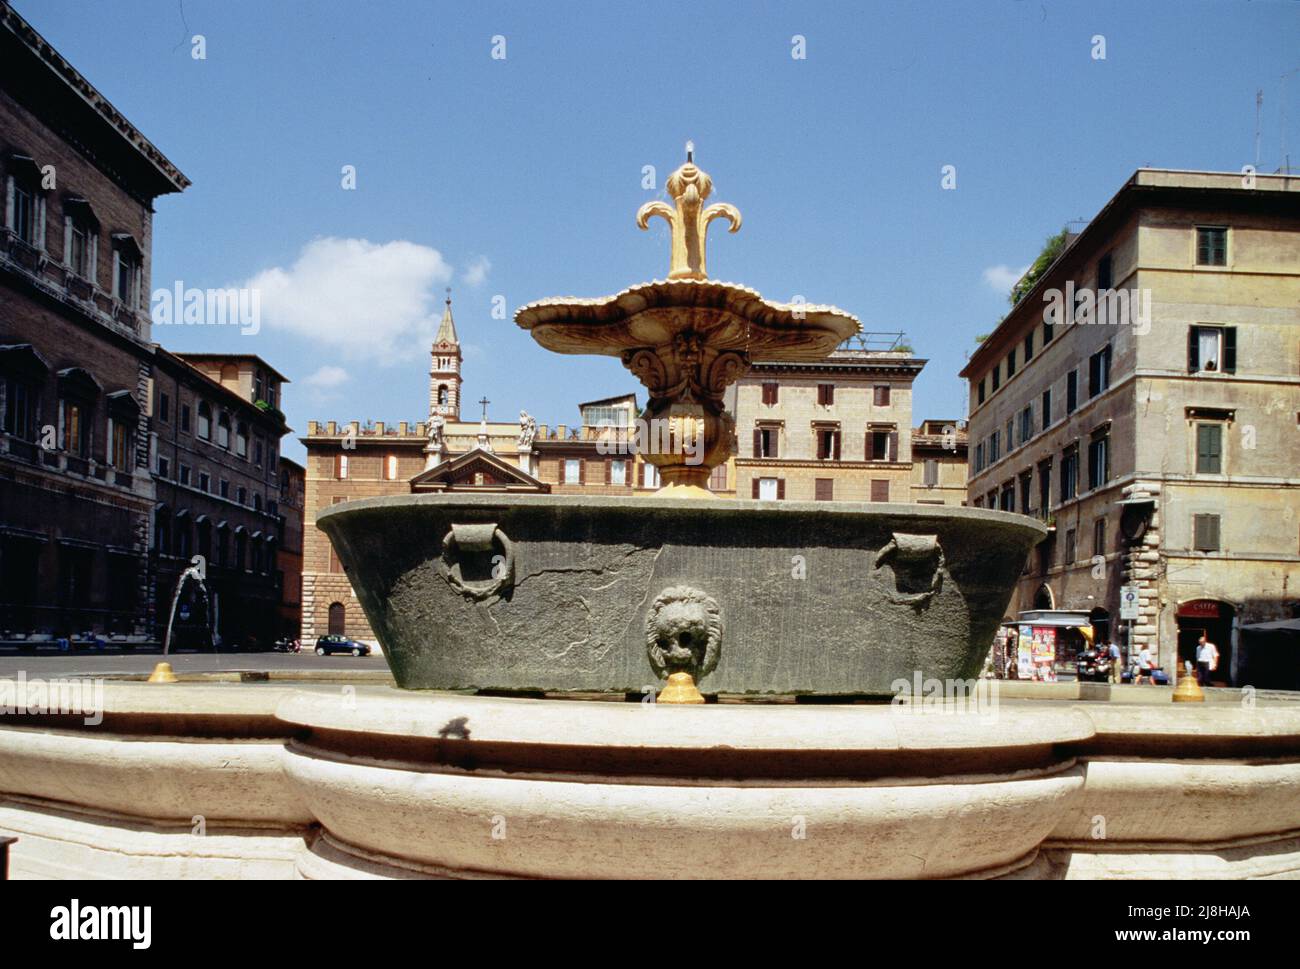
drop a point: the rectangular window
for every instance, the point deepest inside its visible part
(649, 476)
(979, 457)
(1099, 537)
(1104, 280)
(1047, 407)
(997, 376)
(1069, 472)
(1211, 246)
(828, 444)
(1212, 349)
(1029, 346)
(1011, 436)
(618, 472)
(164, 467)
(771, 392)
(390, 464)
(1044, 488)
(995, 447)
(1071, 546)
(1099, 372)
(1011, 364)
(1047, 332)
(1206, 532)
(1209, 448)
(223, 488)
(879, 445)
(769, 489)
(824, 489)
(205, 482)
(242, 496)
(765, 442)
(1026, 424)
(19, 408)
(185, 418)
(1099, 461)
(931, 478)
(879, 489)
(826, 394)
(881, 396)
(24, 210)
(1071, 391)
(341, 466)
(1026, 493)
(981, 390)
(1008, 498)
(573, 471)
(185, 475)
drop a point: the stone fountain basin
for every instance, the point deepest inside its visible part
(551, 592)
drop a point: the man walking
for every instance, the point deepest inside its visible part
(1207, 659)
(1116, 674)
(1144, 665)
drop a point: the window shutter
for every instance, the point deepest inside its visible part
(758, 443)
(755, 489)
(67, 241)
(39, 235)
(780, 489)
(893, 446)
(837, 443)
(582, 470)
(776, 443)
(1229, 349)
(117, 272)
(1193, 351)
(866, 447)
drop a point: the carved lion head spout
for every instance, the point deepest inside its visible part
(683, 633)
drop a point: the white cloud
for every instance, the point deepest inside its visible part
(327, 378)
(476, 272)
(369, 300)
(1002, 278)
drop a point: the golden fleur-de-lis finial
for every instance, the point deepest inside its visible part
(689, 220)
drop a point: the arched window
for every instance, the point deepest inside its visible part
(442, 395)
(338, 619)
(241, 439)
(223, 430)
(162, 531)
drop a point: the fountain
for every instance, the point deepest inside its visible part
(554, 594)
(304, 777)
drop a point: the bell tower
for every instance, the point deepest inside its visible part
(444, 371)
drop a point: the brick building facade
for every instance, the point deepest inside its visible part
(75, 355)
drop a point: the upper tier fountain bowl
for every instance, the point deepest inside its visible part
(567, 593)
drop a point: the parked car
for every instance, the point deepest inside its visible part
(340, 644)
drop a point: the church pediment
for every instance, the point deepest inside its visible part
(477, 470)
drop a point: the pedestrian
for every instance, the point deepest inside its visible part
(1144, 665)
(1116, 672)
(1207, 659)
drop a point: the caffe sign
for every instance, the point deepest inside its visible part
(1199, 609)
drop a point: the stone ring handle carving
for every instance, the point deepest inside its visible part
(917, 563)
(478, 561)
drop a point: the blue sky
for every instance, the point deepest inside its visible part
(520, 177)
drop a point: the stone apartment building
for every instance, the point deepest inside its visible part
(837, 430)
(939, 462)
(76, 496)
(1162, 445)
(216, 469)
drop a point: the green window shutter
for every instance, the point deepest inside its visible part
(1193, 351)
(1229, 349)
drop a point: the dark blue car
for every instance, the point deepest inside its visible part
(340, 644)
